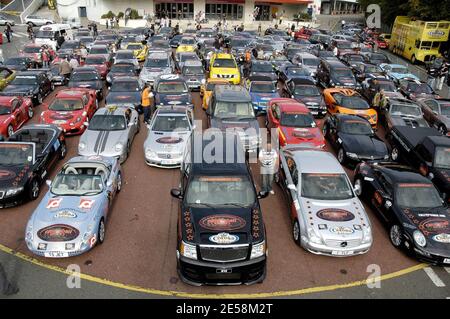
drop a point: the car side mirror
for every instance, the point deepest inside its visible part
(86, 124)
(108, 184)
(262, 194)
(48, 182)
(357, 189)
(292, 187)
(176, 193)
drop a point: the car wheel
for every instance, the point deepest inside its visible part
(63, 151)
(394, 154)
(296, 232)
(442, 129)
(10, 130)
(39, 98)
(358, 182)
(34, 189)
(52, 88)
(341, 156)
(30, 112)
(396, 236)
(101, 232)
(119, 182)
(325, 130)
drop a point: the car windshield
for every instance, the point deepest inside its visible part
(16, 154)
(24, 80)
(220, 191)
(117, 68)
(170, 123)
(295, 119)
(297, 71)
(16, 61)
(224, 63)
(352, 102)
(172, 87)
(311, 62)
(66, 105)
(355, 58)
(226, 110)
(99, 50)
(323, 54)
(70, 45)
(134, 46)
(445, 108)
(125, 86)
(156, 63)
(77, 185)
(378, 57)
(262, 67)
(107, 123)
(417, 195)
(187, 41)
(31, 49)
(326, 186)
(372, 69)
(399, 70)
(387, 86)
(266, 87)
(5, 109)
(124, 56)
(186, 57)
(84, 76)
(192, 70)
(344, 45)
(94, 61)
(420, 88)
(44, 34)
(356, 127)
(306, 90)
(344, 73)
(442, 157)
(405, 109)
(239, 43)
(86, 40)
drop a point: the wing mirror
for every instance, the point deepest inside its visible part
(357, 189)
(86, 124)
(48, 182)
(176, 193)
(262, 195)
(292, 187)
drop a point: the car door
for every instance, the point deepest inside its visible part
(17, 114)
(333, 131)
(383, 195)
(430, 111)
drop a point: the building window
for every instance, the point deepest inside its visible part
(217, 11)
(175, 11)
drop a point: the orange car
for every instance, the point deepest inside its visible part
(207, 89)
(348, 101)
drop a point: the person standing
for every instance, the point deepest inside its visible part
(73, 62)
(45, 58)
(30, 32)
(8, 32)
(107, 24)
(147, 101)
(6, 287)
(94, 27)
(443, 73)
(335, 51)
(342, 24)
(65, 69)
(268, 159)
(117, 22)
(433, 73)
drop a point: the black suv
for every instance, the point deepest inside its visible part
(221, 233)
(335, 74)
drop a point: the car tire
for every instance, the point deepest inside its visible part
(39, 99)
(341, 157)
(395, 154)
(30, 112)
(325, 130)
(10, 130)
(101, 232)
(396, 236)
(63, 150)
(296, 232)
(359, 181)
(119, 182)
(34, 189)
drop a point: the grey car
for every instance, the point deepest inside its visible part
(167, 135)
(110, 133)
(194, 74)
(437, 113)
(126, 56)
(156, 64)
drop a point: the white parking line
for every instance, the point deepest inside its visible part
(19, 34)
(434, 277)
(447, 269)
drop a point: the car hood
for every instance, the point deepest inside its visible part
(97, 85)
(100, 141)
(308, 100)
(364, 145)
(12, 88)
(401, 120)
(14, 176)
(400, 76)
(263, 97)
(123, 98)
(166, 141)
(304, 136)
(59, 117)
(233, 124)
(172, 99)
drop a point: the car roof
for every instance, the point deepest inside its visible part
(293, 107)
(178, 110)
(439, 140)
(96, 56)
(71, 93)
(314, 161)
(124, 51)
(30, 72)
(231, 93)
(159, 55)
(223, 56)
(85, 69)
(125, 79)
(193, 63)
(402, 174)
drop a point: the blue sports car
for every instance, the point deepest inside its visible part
(397, 72)
(261, 92)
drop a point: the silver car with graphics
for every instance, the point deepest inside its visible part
(167, 135)
(71, 217)
(110, 133)
(327, 216)
(156, 64)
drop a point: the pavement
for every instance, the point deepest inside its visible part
(138, 260)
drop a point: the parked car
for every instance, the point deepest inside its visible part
(36, 21)
(437, 113)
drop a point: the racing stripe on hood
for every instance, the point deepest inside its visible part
(97, 142)
(105, 140)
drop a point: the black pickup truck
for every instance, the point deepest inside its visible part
(425, 149)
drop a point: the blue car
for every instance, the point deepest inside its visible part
(261, 93)
(397, 72)
(173, 90)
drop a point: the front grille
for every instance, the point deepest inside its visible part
(225, 76)
(223, 253)
(169, 155)
(338, 243)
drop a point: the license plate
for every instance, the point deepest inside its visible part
(56, 254)
(223, 271)
(342, 253)
(447, 261)
(167, 162)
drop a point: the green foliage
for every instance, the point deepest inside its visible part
(302, 16)
(108, 15)
(120, 15)
(134, 14)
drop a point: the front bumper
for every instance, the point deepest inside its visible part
(197, 273)
(12, 201)
(168, 162)
(323, 249)
(430, 257)
(58, 249)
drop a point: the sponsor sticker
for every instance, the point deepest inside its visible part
(442, 238)
(54, 203)
(222, 222)
(65, 214)
(224, 238)
(86, 203)
(341, 230)
(335, 215)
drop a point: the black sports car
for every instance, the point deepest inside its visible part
(353, 138)
(417, 217)
(365, 71)
(35, 84)
(306, 92)
(87, 77)
(25, 161)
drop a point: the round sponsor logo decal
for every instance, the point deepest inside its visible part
(5, 174)
(302, 133)
(65, 214)
(222, 222)
(58, 232)
(169, 140)
(335, 215)
(223, 238)
(442, 238)
(61, 116)
(342, 230)
(86, 203)
(435, 225)
(54, 203)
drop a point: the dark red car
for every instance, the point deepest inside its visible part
(99, 62)
(70, 110)
(14, 112)
(305, 33)
(294, 122)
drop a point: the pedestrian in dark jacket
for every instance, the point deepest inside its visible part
(8, 32)
(6, 287)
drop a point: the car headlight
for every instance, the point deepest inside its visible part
(29, 234)
(386, 157)
(108, 78)
(313, 237)
(214, 75)
(188, 250)
(149, 153)
(258, 250)
(419, 238)
(81, 146)
(13, 191)
(367, 234)
(119, 147)
(351, 155)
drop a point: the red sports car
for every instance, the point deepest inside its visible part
(305, 33)
(294, 122)
(70, 110)
(14, 112)
(99, 62)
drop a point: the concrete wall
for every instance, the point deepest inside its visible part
(33, 7)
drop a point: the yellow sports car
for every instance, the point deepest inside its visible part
(6, 76)
(139, 50)
(187, 44)
(224, 66)
(207, 89)
(348, 101)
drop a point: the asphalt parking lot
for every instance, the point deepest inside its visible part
(138, 257)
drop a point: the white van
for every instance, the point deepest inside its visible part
(48, 34)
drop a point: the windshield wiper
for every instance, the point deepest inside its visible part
(90, 193)
(205, 204)
(235, 204)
